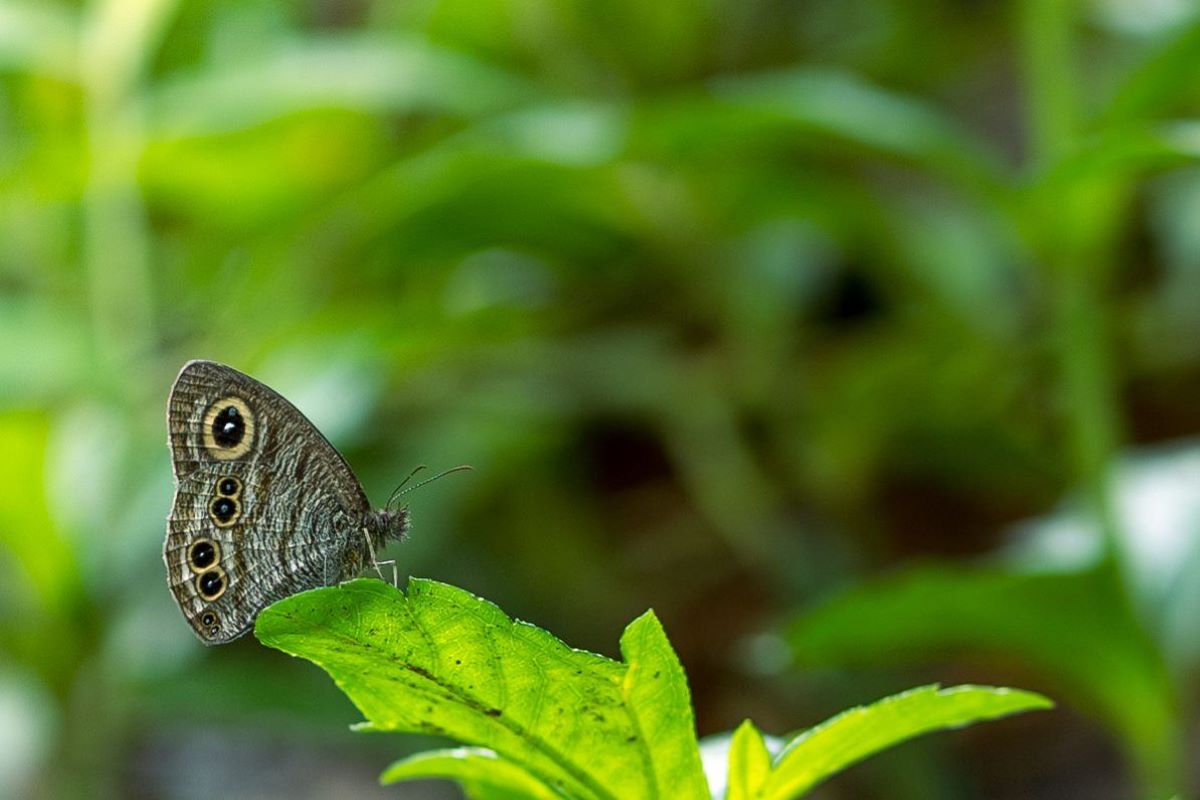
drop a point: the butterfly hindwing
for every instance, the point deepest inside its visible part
(264, 506)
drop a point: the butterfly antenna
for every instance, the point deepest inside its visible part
(400, 492)
(396, 492)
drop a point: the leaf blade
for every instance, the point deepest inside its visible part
(749, 763)
(657, 696)
(442, 661)
(474, 766)
(849, 737)
(1074, 627)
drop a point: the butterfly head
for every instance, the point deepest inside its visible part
(386, 524)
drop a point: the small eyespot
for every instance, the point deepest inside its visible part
(229, 486)
(211, 584)
(224, 511)
(214, 630)
(209, 619)
(203, 554)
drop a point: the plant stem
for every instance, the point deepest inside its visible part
(1045, 28)
(1074, 225)
(117, 39)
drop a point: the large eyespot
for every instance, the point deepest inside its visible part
(229, 486)
(228, 428)
(203, 554)
(224, 511)
(211, 584)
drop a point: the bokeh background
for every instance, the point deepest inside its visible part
(859, 338)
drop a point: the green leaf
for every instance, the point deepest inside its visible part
(1161, 80)
(844, 106)
(656, 695)
(1074, 627)
(487, 774)
(851, 736)
(1122, 153)
(442, 661)
(749, 763)
(47, 573)
(363, 72)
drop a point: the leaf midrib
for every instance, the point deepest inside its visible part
(643, 748)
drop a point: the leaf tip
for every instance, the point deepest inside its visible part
(746, 726)
(1023, 699)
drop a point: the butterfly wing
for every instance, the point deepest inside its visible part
(264, 505)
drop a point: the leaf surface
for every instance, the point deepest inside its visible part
(1073, 627)
(851, 736)
(442, 661)
(486, 774)
(749, 763)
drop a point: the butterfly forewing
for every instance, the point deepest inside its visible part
(264, 506)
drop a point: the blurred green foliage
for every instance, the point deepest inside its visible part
(733, 305)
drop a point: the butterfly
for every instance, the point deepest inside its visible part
(264, 506)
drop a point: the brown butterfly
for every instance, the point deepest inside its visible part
(264, 505)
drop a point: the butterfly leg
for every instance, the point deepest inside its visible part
(391, 562)
(376, 563)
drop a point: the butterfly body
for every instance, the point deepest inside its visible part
(264, 505)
